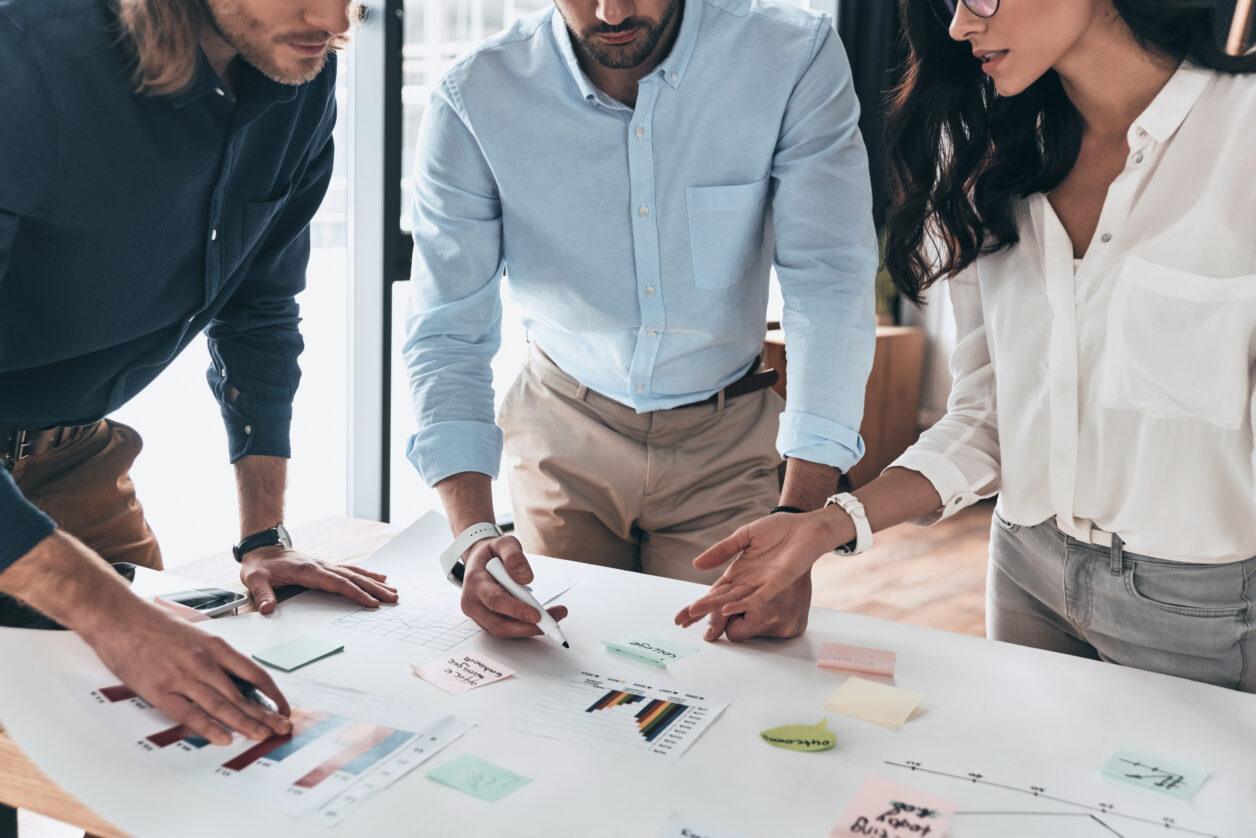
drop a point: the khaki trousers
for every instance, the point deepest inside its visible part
(85, 487)
(597, 482)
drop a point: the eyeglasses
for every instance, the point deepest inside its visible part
(946, 9)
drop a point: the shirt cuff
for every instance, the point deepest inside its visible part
(262, 429)
(815, 439)
(22, 523)
(947, 480)
(448, 448)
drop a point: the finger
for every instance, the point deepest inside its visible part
(500, 602)
(382, 592)
(742, 627)
(228, 709)
(240, 666)
(558, 612)
(714, 602)
(326, 580)
(722, 551)
(497, 625)
(377, 576)
(511, 553)
(192, 717)
(262, 592)
(715, 627)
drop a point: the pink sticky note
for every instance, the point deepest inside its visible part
(856, 659)
(463, 671)
(888, 809)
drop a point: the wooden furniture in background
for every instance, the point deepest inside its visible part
(891, 400)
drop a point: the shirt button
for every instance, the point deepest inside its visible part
(213, 234)
(1142, 132)
(652, 333)
(248, 429)
(640, 388)
(643, 210)
(673, 77)
(220, 91)
(1138, 158)
(1105, 238)
(649, 290)
(640, 132)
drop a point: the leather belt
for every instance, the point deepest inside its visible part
(19, 443)
(1090, 535)
(753, 381)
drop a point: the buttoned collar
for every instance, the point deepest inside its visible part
(207, 82)
(1169, 109)
(672, 68)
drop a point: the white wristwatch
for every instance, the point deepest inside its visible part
(863, 530)
(451, 559)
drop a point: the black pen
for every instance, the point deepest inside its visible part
(253, 694)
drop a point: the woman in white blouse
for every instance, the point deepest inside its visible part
(1093, 207)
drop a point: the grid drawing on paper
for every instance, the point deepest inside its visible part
(412, 624)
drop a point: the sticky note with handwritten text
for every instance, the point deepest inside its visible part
(888, 809)
(815, 737)
(1154, 773)
(478, 777)
(856, 659)
(647, 648)
(463, 671)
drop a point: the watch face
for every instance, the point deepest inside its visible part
(284, 538)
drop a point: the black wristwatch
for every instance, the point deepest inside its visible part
(277, 534)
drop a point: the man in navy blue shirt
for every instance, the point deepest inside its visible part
(160, 161)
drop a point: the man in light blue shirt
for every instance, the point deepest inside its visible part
(636, 168)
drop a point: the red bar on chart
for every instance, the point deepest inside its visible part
(171, 735)
(360, 739)
(118, 693)
(302, 720)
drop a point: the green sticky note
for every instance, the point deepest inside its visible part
(297, 653)
(649, 649)
(478, 777)
(815, 737)
(1155, 773)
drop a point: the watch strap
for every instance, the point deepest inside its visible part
(863, 530)
(451, 559)
(272, 536)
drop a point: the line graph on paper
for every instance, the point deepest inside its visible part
(436, 625)
(1000, 808)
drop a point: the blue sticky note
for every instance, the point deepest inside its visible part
(649, 649)
(297, 653)
(1155, 773)
(478, 777)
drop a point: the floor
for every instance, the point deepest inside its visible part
(934, 576)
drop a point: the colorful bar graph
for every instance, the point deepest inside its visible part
(379, 752)
(360, 738)
(302, 721)
(322, 724)
(118, 693)
(614, 698)
(654, 718)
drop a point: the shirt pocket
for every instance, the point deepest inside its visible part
(258, 218)
(1180, 345)
(725, 231)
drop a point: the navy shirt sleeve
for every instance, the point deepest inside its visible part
(28, 169)
(254, 341)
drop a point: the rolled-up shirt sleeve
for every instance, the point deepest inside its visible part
(959, 455)
(255, 340)
(453, 322)
(826, 259)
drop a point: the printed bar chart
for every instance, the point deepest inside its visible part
(624, 716)
(178, 733)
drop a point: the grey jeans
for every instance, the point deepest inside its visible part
(1054, 592)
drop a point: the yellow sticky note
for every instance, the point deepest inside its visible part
(879, 703)
(815, 737)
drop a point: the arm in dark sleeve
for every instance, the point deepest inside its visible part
(254, 340)
(29, 153)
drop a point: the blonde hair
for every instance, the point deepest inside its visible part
(164, 37)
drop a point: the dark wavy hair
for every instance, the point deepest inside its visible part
(961, 157)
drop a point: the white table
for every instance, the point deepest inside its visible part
(1019, 718)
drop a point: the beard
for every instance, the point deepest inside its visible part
(265, 51)
(629, 55)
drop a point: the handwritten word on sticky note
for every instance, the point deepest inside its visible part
(297, 653)
(1151, 772)
(461, 672)
(649, 649)
(478, 777)
(888, 809)
(856, 659)
(880, 703)
(815, 737)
